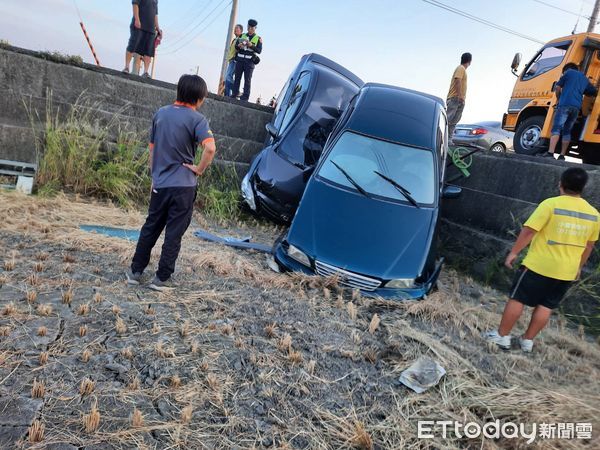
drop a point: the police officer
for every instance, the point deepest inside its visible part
(249, 46)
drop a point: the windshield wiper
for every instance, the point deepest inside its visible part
(399, 188)
(351, 180)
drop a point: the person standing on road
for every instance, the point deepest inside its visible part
(455, 103)
(143, 30)
(249, 46)
(562, 232)
(229, 74)
(177, 131)
(570, 89)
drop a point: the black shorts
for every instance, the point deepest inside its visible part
(141, 42)
(533, 289)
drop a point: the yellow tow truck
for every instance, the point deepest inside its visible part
(532, 104)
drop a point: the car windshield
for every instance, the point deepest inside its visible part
(547, 59)
(362, 157)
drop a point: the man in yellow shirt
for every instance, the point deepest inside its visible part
(562, 232)
(455, 103)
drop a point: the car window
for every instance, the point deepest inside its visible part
(279, 103)
(360, 156)
(305, 140)
(295, 100)
(547, 59)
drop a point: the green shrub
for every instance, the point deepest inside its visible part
(219, 192)
(78, 157)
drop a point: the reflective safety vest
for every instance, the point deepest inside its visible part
(248, 53)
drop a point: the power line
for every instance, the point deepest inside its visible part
(176, 42)
(202, 30)
(482, 21)
(188, 15)
(561, 9)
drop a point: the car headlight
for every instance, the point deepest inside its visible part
(297, 254)
(401, 283)
(248, 193)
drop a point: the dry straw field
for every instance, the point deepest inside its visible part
(243, 358)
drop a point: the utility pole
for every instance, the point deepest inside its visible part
(232, 19)
(594, 17)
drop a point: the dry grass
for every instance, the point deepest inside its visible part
(186, 414)
(67, 297)
(5, 331)
(39, 267)
(98, 297)
(43, 358)
(9, 310)
(38, 389)
(83, 330)
(374, 324)
(334, 386)
(86, 355)
(87, 386)
(120, 326)
(42, 331)
(31, 296)
(33, 279)
(91, 421)
(352, 311)
(137, 418)
(36, 432)
(83, 309)
(44, 309)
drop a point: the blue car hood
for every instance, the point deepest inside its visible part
(363, 235)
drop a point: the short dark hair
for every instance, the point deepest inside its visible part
(239, 25)
(573, 180)
(466, 58)
(570, 66)
(191, 89)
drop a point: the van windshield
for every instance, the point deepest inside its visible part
(362, 157)
(547, 59)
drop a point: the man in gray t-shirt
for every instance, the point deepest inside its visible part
(177, 132)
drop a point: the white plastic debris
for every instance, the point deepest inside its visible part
(24, 185)
(422, 374)
(272, 264)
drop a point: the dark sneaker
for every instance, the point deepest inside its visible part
(146, 75)
(126, 70)
(547, 155)
(161, 286)
(561, 157)
(133, 278)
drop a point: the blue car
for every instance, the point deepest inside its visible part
(370, 211)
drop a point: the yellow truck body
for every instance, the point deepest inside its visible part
(532, 104)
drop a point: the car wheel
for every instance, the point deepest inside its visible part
(498, 147)
(528, 137)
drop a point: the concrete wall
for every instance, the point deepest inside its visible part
(29, 84)
(479, 228)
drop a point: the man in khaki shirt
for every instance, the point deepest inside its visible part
(455, 103)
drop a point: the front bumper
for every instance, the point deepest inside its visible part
(262, 204)
(291, 265)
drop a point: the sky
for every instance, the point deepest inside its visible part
(408, 43)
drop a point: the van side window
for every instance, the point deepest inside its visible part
(547, 59)
(295, 100)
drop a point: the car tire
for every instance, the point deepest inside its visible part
(528, 136)
(498, 147)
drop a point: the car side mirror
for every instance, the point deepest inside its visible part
(515, 63)
(272, 130)
(451, 191)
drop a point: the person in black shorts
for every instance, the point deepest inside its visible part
(143, 30)
(561, 234)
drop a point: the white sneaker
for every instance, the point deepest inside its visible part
(502, 341)
(526, 344)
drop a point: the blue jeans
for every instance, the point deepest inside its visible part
(564, 119)
(229, 78)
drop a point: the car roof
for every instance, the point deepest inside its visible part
(315, 58)
(396, 114)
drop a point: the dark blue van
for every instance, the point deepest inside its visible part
(312, 100)
(370, 212)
